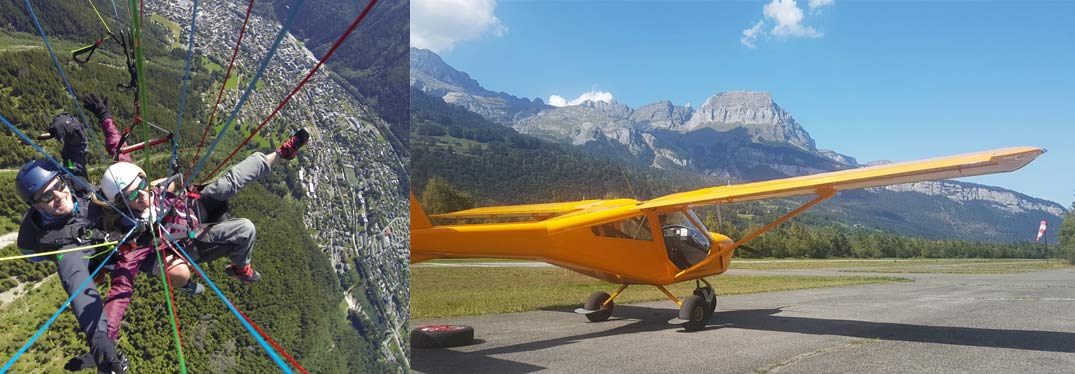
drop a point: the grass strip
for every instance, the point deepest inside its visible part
(450, 292)
(984, 268)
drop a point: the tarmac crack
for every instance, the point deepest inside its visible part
(780, 365)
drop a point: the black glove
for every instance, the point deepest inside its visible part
(97, 105)
(106, 356)
(85, 361)
(68, 130)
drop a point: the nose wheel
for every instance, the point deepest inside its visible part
(696, 309)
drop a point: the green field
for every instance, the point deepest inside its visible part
(172, 26)
(976, 268)
(799, 264)
(472, 260)
(232, 82)
(210, 65)
(449, 292)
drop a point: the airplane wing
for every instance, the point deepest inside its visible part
(965, 165)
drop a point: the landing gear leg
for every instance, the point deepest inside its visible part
(599, 305)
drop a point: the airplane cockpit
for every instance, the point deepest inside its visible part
(686, 239)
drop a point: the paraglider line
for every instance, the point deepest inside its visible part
(339, 41)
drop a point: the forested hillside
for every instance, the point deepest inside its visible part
(500, 165)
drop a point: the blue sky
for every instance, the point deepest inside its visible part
(874, 80)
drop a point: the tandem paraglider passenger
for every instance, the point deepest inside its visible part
(131, 259)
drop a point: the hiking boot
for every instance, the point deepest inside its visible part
(290, 148)
(192, 288)
(246, 274)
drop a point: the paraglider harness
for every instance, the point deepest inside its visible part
(182, 214)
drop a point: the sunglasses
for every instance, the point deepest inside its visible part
(50, 194)
(131, 196)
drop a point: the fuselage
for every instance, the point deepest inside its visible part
(613, 241)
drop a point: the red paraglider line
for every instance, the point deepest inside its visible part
(297, 88)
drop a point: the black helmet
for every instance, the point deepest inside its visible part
(33, 177)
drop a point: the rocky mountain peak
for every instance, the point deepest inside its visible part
(611, 108)
(749, 99)
(429, 72)
(661, 114)
(754, 111)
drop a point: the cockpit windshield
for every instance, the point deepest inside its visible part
(686, 240)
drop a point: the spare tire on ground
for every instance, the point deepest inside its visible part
(441, 336)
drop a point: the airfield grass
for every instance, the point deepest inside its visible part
(801, 264)
(976, 268)
(473, 260)
(804, 264)
(450, 292)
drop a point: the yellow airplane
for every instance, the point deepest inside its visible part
(660, 241)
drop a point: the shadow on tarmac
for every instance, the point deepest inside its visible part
(656, 319)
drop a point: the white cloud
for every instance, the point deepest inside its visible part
(816, 5)
(751, 35)
(789, 20)
(557, 100)
(438, 25)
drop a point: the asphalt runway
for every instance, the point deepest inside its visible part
(940, 323)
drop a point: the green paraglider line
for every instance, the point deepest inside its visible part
(140, 74)
(167, 283)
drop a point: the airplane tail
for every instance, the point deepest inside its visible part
(419, 219)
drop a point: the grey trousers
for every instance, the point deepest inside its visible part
(233, 237)
(73, 269)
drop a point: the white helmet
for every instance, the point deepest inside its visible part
(118, 176)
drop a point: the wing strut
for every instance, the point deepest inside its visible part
(823, 194)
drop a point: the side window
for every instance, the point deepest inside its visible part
(634, 228)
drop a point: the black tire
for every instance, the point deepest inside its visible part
(694, 311)
(594, 303)
(441, 336)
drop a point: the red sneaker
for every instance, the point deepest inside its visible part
(290, 148)
(246, 274)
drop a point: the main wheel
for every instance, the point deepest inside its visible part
(694, 311)
(441, 336)
(594, 302)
